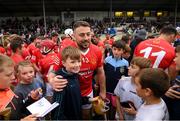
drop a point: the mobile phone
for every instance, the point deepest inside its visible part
(128, 104)
(125, 104)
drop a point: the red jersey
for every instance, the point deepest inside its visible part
(45, 63)
(159, 51)
(35, 53)
(36, 56)
(25, 54)
(2, 50)
(91, 60)
(17, 58)
(31, 47)
(66, 42)
(8, 51)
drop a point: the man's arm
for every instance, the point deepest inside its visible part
(101, 81)
(56, 81)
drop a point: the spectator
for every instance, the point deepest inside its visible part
(151, 85)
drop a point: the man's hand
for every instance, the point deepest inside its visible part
(102, 95)
(58, 83)
(172, 93)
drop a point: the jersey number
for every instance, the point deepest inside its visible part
(159, 55)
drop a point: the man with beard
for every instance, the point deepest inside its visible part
(92, 61)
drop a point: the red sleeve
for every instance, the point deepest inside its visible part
(100, 60)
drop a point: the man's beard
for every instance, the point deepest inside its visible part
(84, 45)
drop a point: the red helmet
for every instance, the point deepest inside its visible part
(47, 46)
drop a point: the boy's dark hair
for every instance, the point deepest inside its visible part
(155, 79)
(16, 42)
(141, 62)
(119, 44)
(71, 52)
(177, 49)
(80, 23)
(168, 30)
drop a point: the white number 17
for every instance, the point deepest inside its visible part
(160, 55)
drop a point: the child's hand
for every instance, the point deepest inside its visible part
(36, 94)
(131, 111)
(30, 118)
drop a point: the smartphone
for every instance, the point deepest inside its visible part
(125, 104)
(128, 104)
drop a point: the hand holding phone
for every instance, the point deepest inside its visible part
(129, 107)
(128, 104)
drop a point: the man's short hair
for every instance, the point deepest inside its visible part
(71, 52)
(80, 23)
(155, 79)
(168, 30)
(141, 62)
(16, 42)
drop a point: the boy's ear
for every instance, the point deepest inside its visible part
(63, 63)
(148, 92)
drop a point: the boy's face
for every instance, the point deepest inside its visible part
(177, 61)
(133, 70)
(139, 90)
(72, 66)
(6, 77)
(26, 74)
(117, 52)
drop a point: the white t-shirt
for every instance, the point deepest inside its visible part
(152, 112)
(126, 90)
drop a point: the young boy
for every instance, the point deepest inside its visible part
(125, 90)
(27, 82)
(70, 98)
(10, 104)
(115, 66)
(151, 85)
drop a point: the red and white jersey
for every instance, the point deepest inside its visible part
(25, 54)
(51, 59)
(91, 60)
(159, 51)
(35, 53)
(36, 56)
